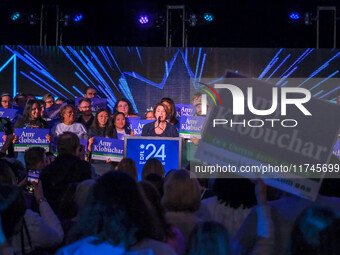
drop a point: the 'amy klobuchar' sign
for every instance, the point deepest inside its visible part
(288, 135)
(191, 126)
(184, 110)
(31, 138)
(96, 103)
(107, 148)
(136, 125)
(7, 113)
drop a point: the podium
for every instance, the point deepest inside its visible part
(167, 149)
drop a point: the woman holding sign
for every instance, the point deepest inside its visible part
(160, 127)
(31, 117)
(101, 126)
(67, 118)
(120, 126)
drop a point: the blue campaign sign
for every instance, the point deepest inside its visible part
(136, 125)
(167, 150)
(2, 141)
(96, 103)
(31, 137)
(191, 126)
(107, 148)
(336, 149)
(184, 110)
(7, 113)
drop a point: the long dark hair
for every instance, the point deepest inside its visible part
(117, 212)
(130, 112)
(114, 120)
(28, 109)
(108, 125)
(172, 111)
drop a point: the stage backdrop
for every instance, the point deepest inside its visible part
(144, 75)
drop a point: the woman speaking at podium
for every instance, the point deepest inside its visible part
(160, 127)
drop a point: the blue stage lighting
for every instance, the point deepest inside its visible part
(208, 16)
(294, 15)
(144, 19)
(77, 17)
(15, 16)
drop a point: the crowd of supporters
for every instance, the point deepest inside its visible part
(84, 206)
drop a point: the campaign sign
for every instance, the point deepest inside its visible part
(107, 148)
(2, 141)
(136, 125)
(31, 138)
(96, 103)
(167, 150)
(191, 126)
(7, 113)
(257, 132)
(184, 110)
(336, 149)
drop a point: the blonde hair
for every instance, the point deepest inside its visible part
(181, 193)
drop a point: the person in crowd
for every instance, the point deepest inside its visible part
(52, 109)
(35, 231)
(123, 105)
(19, 102)
(117, 218)
(170, 104)
(153, 166)
(182, 199)
(68, 124)
(234, 199)
(101, 127)
(120, 126)
(160, 127)
(78, 200)
(49, 100)
(35, 158)
(67, 168)
(90, 93)
(209, 237)
(157, 181)
(12, 212)
(60, 100)
(42, 105)
(86, 117)
(128, 166)
(6, 100)
(286, 210)
(149, 115)
(315, 232)
(197, 102)
(173, 236)
(31, 117)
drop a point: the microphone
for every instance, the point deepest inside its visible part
(159, 122)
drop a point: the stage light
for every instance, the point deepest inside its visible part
(208, 16)
(192, 20)
(144, 19)
(77, 17)
(15, 16)
(294, 15)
